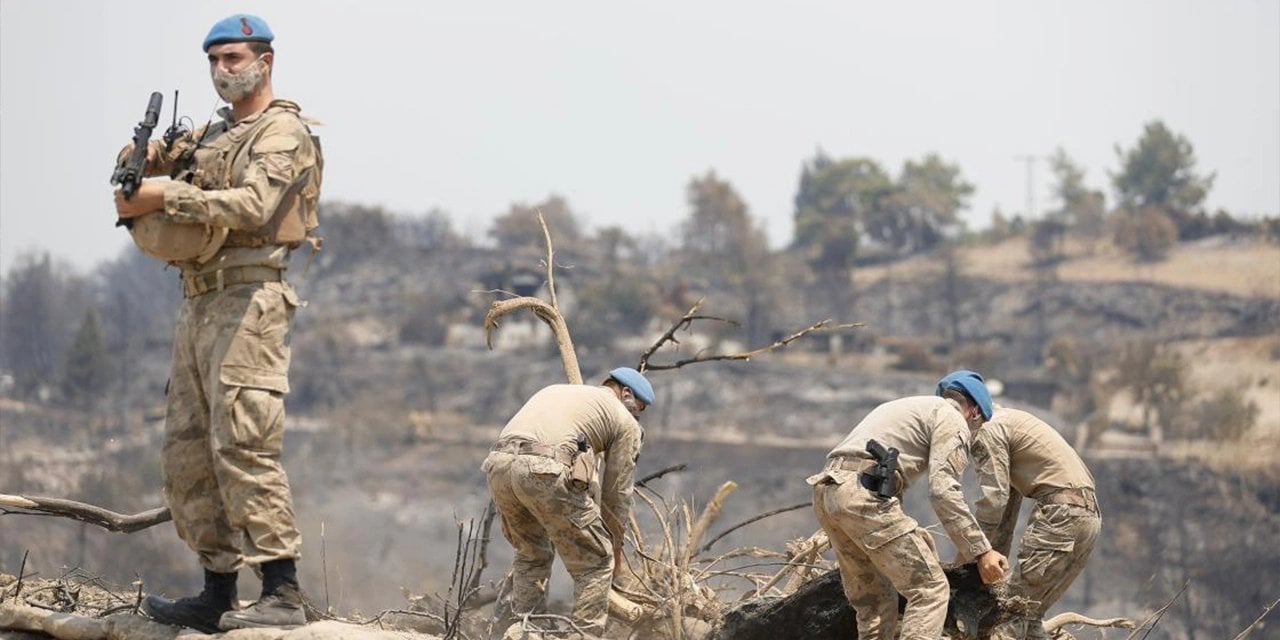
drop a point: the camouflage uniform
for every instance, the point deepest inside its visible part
(224, 416)
(1016, 454)
(545, 511)
(880, 548)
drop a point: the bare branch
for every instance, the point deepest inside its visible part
(549, 315)
(107, 519)
(661, 472)
(551, 262)
(707, 547)
(1249, 629)
(824, 326)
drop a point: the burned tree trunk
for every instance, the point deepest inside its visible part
(819, 611)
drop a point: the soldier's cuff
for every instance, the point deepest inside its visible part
(978, 548)
(181, 201)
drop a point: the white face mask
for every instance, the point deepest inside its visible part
(234, 87)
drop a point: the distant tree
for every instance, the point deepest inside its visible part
(519, 228)
(355, 232)
(1001, 229)
(1160, 172)
(832, 205)
(923, 205)
(1148, 235)
(87, 373)
(41, 306)
(1079, 209)
(1156, 377)
(724, 245)
(1224, 415)
(432, 231)
(1047, 239)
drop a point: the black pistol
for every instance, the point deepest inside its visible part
(885, 471)
(129, 174)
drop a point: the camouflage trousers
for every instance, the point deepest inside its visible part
(224, 426)
(880, 550)
(1054, 550)
(542, 516)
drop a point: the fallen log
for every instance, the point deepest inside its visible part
(818, 610)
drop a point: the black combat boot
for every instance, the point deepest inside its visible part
(201, 612)
(280, 605)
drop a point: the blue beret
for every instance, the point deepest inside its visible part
(972, 385)
(635, 381)
(241, 27)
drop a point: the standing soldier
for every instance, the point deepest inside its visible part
(244, 196)
(1015, 455)
(539, 474)
(880, 548)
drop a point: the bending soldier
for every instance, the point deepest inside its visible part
(1016, 454)
(879, 547)
(245, 189)
(539, 473)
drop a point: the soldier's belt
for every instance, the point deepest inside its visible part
(526, 448)
(218, 280)
(860, 466)
(1081, 497)
(849, 463)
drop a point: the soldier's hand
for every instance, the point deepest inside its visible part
(128, 149)
(149, 198)
(992, 566)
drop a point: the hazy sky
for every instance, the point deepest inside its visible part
(470, 106)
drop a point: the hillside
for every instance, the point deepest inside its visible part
(396, 400)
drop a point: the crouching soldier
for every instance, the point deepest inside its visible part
(1016, 454)
(539, 473)
(879, 548)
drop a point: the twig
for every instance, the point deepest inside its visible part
(1154, 618)
(551, 261)
(670, 334)
(22, 568)
(824, 326)
(661, 472)
(699, 528)
(707, 547)
(324, 568)
(1249, 629)
(482, 557)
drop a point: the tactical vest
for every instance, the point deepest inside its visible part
(225, 153)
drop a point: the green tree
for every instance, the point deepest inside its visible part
(833, 202)
(922, 207)
(1160, 172)
(88, 372)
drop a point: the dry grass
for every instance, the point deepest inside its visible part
(1244, 268)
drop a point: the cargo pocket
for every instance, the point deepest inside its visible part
(886, 534)
(1046, 542)
(256, 419)
(259, 354)
(590, 527)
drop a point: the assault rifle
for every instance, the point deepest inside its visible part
(129, 173)
(133, 168)
(885, 473)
